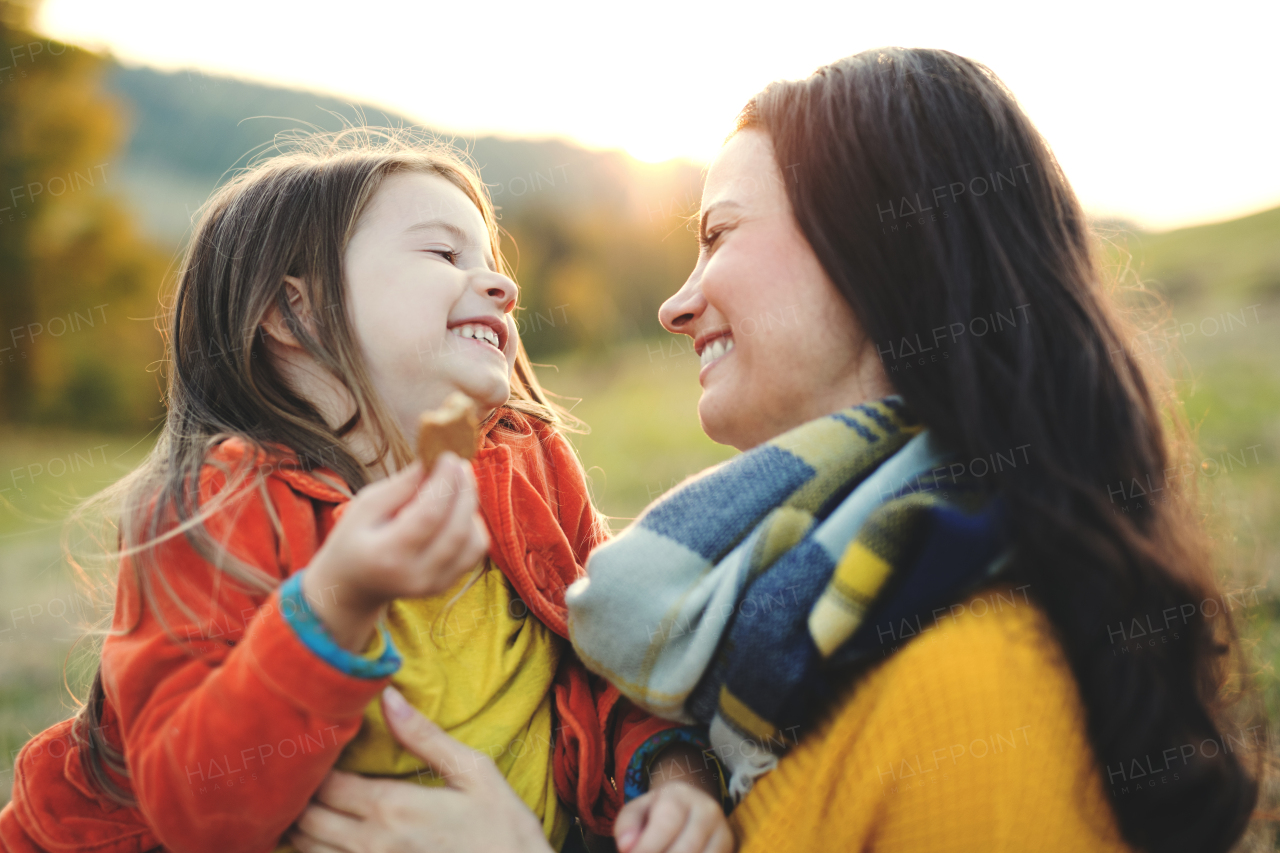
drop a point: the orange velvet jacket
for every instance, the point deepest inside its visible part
(243, 702)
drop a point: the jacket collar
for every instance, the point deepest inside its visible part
(275, 460)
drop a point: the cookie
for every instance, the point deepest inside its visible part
(453, 426)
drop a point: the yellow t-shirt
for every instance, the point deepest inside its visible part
(481, 667)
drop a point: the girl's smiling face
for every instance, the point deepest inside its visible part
(779, 345)
(429, 310)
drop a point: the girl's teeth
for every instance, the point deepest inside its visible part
(476, 331)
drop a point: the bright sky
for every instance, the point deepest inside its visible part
(1163, 113)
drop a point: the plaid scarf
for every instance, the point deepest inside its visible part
(738, 598)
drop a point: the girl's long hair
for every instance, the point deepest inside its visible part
(933, 203)
(291, 214)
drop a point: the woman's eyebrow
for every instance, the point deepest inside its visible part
(706, 213)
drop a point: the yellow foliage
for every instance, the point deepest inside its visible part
(79, 282)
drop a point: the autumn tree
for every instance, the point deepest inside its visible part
(77, 280)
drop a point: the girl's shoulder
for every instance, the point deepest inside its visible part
(259, 514)
(235, 459)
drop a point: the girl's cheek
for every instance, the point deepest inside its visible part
(513, 343)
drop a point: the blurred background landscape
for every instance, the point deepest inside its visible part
(103, 166)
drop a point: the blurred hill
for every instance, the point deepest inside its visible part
(597, 228)
(598, 235)
(189, 129)
(1222, 262)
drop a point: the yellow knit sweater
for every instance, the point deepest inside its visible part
(970, 738)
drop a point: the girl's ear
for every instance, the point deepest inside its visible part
(279, 328)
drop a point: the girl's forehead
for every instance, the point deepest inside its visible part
(421, 195)
(407, 202)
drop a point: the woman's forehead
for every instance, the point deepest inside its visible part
(743, 174)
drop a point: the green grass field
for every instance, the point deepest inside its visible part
(43, 473)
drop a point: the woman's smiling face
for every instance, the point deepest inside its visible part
(779, 345)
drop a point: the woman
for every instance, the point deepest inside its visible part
(896, 199)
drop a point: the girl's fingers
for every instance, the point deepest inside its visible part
(475, 543)
(698, 828)
(630, 821)
(470, 555)
(419, 521)
(479, 545)
(450, 532)
(348, 792)
(380, 500)
(667, 818)
(458, 547)
(721, 840)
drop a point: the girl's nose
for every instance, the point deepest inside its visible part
(496, 287)
(678, 313)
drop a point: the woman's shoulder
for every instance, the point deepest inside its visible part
(995, 637)
(971, 728)
(989, 667)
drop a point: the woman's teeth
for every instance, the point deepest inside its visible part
(715, 349)
(479, 331)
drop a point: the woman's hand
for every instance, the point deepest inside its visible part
(477, 812)
(673, 818)
(407, 536)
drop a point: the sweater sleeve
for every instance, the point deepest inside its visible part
(228, 720)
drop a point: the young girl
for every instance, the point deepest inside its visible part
(283, 559)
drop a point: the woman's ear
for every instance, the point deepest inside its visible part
(281, 329)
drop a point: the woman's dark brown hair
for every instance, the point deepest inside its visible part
(932, 202)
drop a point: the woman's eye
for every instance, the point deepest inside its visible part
(710, 239)
(448, 254)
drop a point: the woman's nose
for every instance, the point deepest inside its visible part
(678, 313)
(498, 288)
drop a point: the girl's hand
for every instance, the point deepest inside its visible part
(675, 818)
(403, 537)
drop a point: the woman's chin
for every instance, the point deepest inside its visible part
(718, 421)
